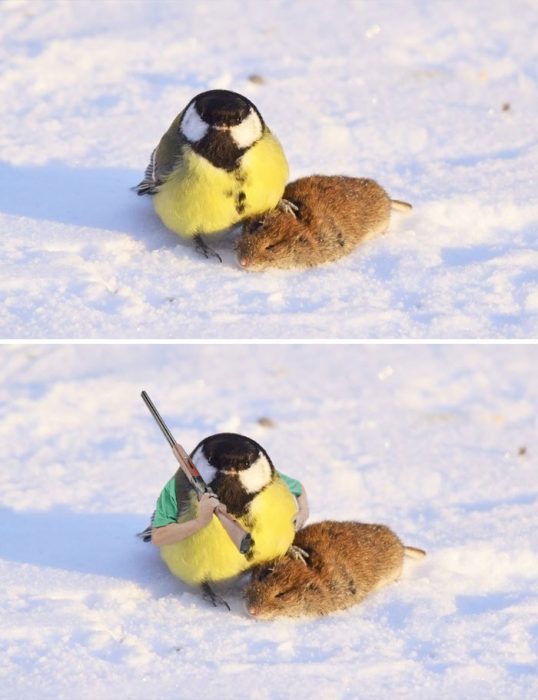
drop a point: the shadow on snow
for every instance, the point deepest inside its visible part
(102, 544)
(92, 197)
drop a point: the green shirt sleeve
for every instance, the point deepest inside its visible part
(166, 508)
(294, 486)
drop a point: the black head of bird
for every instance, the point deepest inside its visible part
(235, 467)
(220, 120)
(222, 108)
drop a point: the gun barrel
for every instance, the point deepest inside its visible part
(240, 537)
(155, 413)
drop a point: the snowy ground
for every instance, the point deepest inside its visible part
(438, 101)
(438, 442)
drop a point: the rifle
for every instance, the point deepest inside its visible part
(240, 537)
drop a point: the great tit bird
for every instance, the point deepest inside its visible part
(217, 165)
(242, 476)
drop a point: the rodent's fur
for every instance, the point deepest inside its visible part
(346, 561)
(334, 214)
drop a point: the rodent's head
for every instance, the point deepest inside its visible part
(285, 587)
(276, 240)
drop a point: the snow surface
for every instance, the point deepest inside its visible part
(437, 101)
(439, 442)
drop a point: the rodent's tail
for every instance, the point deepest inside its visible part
(414, 552)
(398, 205)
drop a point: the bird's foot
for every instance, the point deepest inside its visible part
(288, 207)
(298, 554)
(209, 594)
(202, 247)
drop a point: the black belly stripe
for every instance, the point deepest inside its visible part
(240, 202)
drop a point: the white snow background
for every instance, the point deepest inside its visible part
(438, 101)
(429, 440)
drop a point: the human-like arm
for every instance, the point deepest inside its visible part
(175, 532)
(303, 512)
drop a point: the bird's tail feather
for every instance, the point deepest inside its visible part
(145, 535)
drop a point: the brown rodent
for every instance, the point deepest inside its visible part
(346, 561)
(334, 214)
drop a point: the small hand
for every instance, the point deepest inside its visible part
(303, 511)
(206, 506)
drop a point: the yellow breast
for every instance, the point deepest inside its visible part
(210, 555)
(273, 513)
(199, 198)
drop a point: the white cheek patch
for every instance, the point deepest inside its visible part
(207, 472)
(256, 476)
(248, 132)
(193, 127)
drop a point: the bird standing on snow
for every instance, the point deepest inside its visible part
(217, 165)
(193, 543)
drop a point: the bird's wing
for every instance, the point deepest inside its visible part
(165, 158)
(150, 183)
